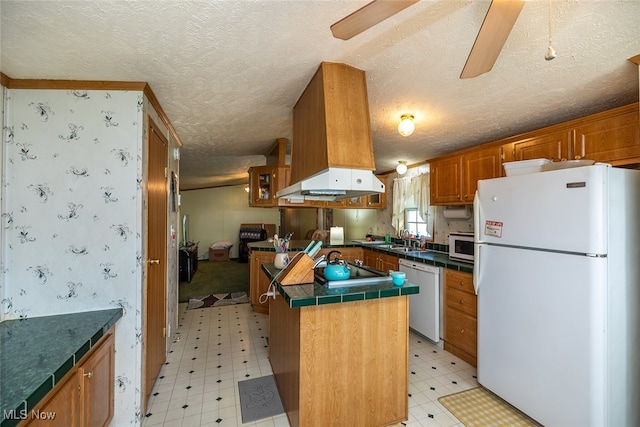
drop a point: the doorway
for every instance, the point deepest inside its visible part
(156, 274)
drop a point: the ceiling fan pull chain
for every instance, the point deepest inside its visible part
(551, 52)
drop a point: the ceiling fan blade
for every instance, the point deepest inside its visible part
(368, 16)
(495, 29)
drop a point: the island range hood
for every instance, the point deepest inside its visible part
(333, 184)
(332, 151)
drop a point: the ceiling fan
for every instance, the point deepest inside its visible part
(495, 29)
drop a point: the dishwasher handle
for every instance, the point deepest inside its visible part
(419, 266)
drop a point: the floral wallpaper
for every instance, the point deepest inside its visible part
(73, 215)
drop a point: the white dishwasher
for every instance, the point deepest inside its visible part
(426, 306)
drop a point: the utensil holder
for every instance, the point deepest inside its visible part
(281, 260)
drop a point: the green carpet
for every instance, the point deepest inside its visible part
(217, 277)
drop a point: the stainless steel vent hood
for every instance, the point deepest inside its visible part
(334, 184)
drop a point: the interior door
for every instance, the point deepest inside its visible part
(156, 277)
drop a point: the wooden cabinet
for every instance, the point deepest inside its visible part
(264, 183)
(331, 123)
(61, 407)
(84, 398)
(96, 379)
(611, 138)
(554, 146)
(258, 280)
(460, 315)
(378, 201)
(380, 261)
(454, 179)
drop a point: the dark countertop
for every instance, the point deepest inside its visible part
(435, 254)
(311, 294)
(36, 352)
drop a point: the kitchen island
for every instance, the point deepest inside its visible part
(340, 356)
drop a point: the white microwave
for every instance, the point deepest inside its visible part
(461, 246)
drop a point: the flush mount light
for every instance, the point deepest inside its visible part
(402, 167)
(406, 126)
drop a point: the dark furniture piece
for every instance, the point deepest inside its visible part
(248, 235)
(188, 261)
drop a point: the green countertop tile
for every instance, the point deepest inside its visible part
(36, 352)
(310, 294)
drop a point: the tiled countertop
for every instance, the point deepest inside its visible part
(36, 352)
(432, 257)
(311, 294)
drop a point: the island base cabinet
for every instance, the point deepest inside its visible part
(343, 364)
(85, 397)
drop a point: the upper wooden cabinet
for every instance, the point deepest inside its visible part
(454, 179)
(378, 201)
(331, 123)
(553, 146)
(613, 138)
(610, 137)
(263, 185)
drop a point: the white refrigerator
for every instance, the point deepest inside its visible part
(557, 273)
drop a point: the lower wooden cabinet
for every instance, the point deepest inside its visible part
(380, 261)
(84, 398)
(96, 377)
(460, 316)
(258, 280)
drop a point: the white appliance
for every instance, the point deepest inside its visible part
(557, 273)
(425, 307)
(461, 246)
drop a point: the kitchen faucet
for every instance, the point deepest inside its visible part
(404, 234)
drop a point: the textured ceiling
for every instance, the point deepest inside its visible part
(227, 73)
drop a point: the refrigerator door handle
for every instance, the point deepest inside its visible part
(476, 218)
(476, 266)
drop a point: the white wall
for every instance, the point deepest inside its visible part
(73, 216)
(357, 223)
(216, 214)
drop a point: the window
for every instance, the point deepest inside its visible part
(414, 223)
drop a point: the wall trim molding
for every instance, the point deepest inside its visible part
(144, 87)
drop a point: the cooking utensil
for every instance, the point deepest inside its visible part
(336, 269)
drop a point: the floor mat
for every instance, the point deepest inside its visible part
(216, 300)
(481, 408)
(259, 399)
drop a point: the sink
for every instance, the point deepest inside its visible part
(393, 247)
(402, 249)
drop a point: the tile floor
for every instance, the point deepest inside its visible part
(218, 346)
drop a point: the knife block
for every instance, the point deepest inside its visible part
(299, 270)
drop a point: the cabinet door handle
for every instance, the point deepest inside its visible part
(153, 261)
(89, 374)
(462, 331)
(461, 301)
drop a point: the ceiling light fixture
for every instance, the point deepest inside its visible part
(402, 167)
(406, 126)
